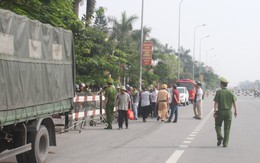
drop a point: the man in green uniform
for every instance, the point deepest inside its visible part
(110, 97)
(224, 99)
(88, 90)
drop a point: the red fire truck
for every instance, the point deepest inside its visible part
(190, 85)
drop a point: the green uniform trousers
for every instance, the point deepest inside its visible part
(109, 113)
(226, 116)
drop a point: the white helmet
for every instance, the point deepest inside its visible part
(82, 85)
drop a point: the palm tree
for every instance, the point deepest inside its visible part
(136, 34)
(166, 49)
(122, 28)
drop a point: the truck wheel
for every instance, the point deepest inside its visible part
(40, 145)
(19, 140)
(22, 158)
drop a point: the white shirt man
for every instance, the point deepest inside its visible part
(199, 94)
(154, 103)
(145, 103)
(198, 103)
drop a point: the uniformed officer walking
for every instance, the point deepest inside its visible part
(110, 97)
(224, 100)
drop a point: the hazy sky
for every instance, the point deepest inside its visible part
(233, 27)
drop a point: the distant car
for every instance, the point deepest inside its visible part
(256, 93)
(247, 93)
(238, 93)
(184, 95)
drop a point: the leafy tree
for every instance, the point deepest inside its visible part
(166, 68)
(58, 13)
(101, 21)
(186, 63)
(94, 56)
(119, 56)
(121, 35)
(211, 80)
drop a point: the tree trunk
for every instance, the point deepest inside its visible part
(76, 7)
(90, 8)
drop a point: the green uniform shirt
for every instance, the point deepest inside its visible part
(110, 94)
(225, 99)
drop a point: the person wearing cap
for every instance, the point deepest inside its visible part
(163, 102)
(110, 97)
(123, 103)
(88, 89)
(198, 101)
(81, 91)
(223, 102)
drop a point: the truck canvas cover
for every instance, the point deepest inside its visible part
(36, 69)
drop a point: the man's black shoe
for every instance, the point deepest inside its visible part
(108, 128)
(174, 121)
(219, 141)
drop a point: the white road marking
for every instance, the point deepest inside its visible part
(178, 153)
(186, 142)
(184, 146)
(192, 135)
(175, 156)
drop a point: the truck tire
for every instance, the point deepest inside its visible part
(20, 140)
(22, 158)
(40, 145)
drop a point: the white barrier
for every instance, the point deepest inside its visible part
(87, 98)
(82, 112)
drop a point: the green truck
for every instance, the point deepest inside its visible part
(36, 83)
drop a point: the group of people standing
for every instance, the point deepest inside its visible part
(157, 103)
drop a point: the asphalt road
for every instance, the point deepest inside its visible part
(187, 141)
